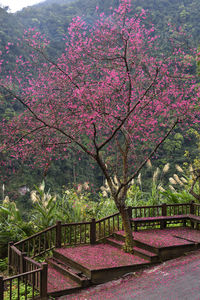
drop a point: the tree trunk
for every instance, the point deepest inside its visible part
(128, 247)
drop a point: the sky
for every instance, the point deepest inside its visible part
(16, 5)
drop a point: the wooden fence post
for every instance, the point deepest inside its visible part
(58, 234)
(10, 257)
(43, 281)
(92, 231)
(1, 288)
(164, 213)
(192, 207)
(164, 209)
(192, 212)
(22, 263)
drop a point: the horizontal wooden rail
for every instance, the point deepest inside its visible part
(108, 217)
(78, 223)
(35, 235)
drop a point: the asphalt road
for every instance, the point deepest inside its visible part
(174, 279)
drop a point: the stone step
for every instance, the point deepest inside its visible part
(150, 256)
(66, 269)
(60, 284)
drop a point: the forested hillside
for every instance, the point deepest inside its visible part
(53, 18)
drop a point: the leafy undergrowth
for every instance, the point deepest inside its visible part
(24, 292)
(100, 256)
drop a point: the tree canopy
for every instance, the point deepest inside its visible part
(110, 94)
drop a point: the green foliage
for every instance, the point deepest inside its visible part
(172, 197)
(23, 290)
(12, 226)
(106, 206)
(45, 207)
(76, 205)
(3, 264)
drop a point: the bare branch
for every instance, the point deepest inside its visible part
(129, 113)
(150, 155)
(25, 135)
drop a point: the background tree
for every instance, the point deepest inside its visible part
(110, 95)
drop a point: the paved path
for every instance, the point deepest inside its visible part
(172, 280)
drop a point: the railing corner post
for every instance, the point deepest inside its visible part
(22, 262)
(9, 256)
(43, 281)
(93, 231)
(58, 234)
(164, 209)
(192, 207)
(1, 288)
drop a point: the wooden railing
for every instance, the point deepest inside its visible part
(165, 210)
(32, 283)
(74, 234)
(91, 231)
(179, 209)
(21, 254)
(196, 209)
(31, 276)
(106, 226)
(39, 243)
(147, 211)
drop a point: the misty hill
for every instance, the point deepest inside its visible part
(60, 2)
(53, 16)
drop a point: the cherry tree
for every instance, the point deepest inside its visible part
(111, 94)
